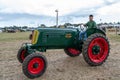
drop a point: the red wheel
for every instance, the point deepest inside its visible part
(34, 65)
(96, 49)
(72, 52)
(22, 53)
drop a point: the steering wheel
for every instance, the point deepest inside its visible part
(82, 28)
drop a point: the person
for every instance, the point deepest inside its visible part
(90, 24)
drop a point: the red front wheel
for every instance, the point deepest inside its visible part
(34, 65)
(22, 53)
(96, 49)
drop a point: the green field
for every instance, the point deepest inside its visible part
(25, 36)
(14, 36)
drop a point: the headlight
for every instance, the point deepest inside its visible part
(35, 36)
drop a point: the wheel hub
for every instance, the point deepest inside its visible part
(96, 49)
(35, 65)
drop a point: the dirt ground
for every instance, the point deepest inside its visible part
(60, 66)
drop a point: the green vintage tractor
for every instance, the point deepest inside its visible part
(95, 48)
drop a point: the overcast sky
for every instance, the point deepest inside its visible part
(35, 12)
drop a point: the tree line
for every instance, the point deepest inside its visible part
(27, 28)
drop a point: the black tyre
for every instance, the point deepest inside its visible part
(72, 52)
(21, 54)
(34, 65)
(96, 49)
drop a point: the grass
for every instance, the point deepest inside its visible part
(114, 37)
(5, 37)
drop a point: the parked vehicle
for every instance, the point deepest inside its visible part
(11, 31)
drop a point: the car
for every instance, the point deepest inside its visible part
(11, 31)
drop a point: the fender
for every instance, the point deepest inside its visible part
(94, 30)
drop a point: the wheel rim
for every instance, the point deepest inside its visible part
(73, 51)
(36, 65)
(98, 50)
(23, 54)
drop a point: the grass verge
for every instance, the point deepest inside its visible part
(6, 37)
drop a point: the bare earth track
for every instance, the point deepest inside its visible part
(60, 66)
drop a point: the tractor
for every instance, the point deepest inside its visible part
(95, 48)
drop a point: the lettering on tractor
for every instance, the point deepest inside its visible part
(68, 35)
(95, 48)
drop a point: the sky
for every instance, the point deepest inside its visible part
(35, 12)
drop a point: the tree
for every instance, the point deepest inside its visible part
(118, 22)
(105, 23)
(25, 27)
(110, 23)
(42, 26)
(68, 24)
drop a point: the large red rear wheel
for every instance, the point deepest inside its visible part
(96, 49)
(34, 65)
(72, 52)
